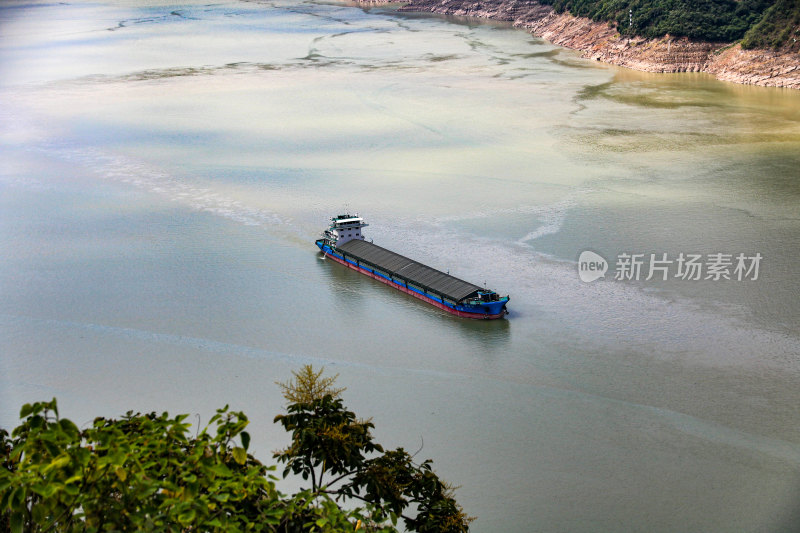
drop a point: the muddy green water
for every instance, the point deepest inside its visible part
(164, 170)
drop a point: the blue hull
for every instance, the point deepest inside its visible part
(484, 310)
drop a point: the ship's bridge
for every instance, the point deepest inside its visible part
(346, 228)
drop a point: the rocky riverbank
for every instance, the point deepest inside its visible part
(601, 42)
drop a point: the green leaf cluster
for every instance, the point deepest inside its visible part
(336, 451)
(707, 20)
(778, 28)
(142, 472)
(146, 472)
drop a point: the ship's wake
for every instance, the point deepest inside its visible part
(608, 314)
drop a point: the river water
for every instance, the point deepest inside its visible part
(165, 169)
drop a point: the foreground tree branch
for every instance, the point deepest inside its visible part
(146, 472)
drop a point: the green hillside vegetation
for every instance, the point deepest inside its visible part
(778, 28)
(149, 472)
(706, 20)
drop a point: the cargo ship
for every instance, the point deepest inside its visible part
(344, 242)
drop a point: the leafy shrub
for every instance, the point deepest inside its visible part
(778, 28)
(146, 472)
(709, 20)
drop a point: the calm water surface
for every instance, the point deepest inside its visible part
(164, 170)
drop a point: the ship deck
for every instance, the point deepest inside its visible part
(408, 270)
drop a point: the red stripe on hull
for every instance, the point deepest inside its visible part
(402, 288)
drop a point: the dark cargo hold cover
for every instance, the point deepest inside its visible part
(402, 267)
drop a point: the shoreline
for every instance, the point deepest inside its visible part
(601, 41)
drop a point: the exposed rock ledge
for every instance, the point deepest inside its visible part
(602, 42)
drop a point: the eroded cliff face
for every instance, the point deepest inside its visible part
(757, 67)
(602, 42)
